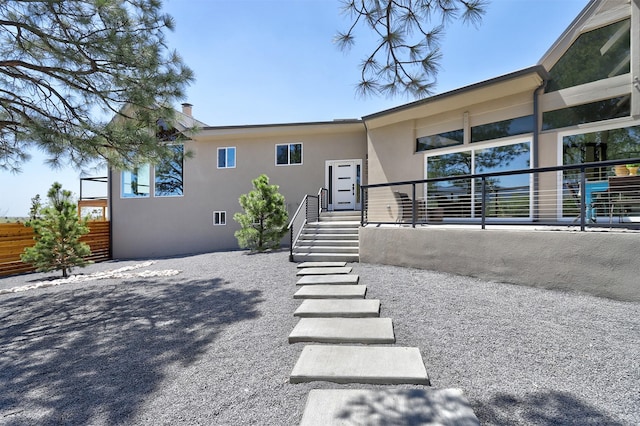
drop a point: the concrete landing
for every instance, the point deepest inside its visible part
(348, 308)
(442, 407)
(328, 279)
(360, 364)
(322, 264)
(331, 292)
(325, 271)
(343, 330)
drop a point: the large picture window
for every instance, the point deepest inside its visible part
(595, 55)
(136, 182)
(169, 174)
(507, 196)
(603, 145)
(288, 154)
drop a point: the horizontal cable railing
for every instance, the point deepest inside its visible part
(585, 195)
(308, 211)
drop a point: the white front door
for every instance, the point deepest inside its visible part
(343, 184)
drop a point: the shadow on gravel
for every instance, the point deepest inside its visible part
(541, 409)
(93, 355)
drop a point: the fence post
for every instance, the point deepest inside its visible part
(583, 198)
(483, 206)
(413, 205)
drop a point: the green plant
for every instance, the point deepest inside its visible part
(633, 165)
(57, 230)
(264, 221)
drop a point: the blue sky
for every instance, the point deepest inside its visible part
(273, 61)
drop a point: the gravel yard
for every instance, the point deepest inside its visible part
(203, 340)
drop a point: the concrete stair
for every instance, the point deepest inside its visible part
(343, 330)
(387, 365)
(339, 279)
(377, 407)
(333, 238)
(329, 270)
(331, 291)
(341, 308)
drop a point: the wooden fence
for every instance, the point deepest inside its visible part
(14, 237)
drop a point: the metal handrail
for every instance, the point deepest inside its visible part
(295, 231)
(482, 177)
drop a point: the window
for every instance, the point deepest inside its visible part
(587, 113)
(595, 55)
(219, 218)
(288, 154)
(508, 196)
(136, 182)
(169, 174)
(227, 158)
(503, 129)
(441, 140)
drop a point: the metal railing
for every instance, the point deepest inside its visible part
(587, 194)
(308, 211)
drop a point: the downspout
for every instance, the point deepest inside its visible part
(536, 146)
(110, 205)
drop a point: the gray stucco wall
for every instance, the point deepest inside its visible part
(600, 263)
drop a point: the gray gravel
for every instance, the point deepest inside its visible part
(209, 346)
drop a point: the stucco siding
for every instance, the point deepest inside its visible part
(164, 226)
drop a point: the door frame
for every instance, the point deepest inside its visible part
(329, 185)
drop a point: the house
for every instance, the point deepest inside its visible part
(580, 103)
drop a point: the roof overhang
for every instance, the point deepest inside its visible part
(278, 130)
(509, 84)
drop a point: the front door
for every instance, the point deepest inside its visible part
(343, 182)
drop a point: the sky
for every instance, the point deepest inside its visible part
(274, 61)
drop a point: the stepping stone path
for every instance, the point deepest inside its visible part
(330, 270)
(328, 279)
(326, 291)
(334, 311)
(338, 308)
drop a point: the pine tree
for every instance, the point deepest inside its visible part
(57, 230)
(68, 66)
(264, 222)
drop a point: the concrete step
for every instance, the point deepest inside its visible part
(377, 407)
(336, 308)
(326, 249)
(366, 331)
(336, 223)
(314, 229)
(310, 242)
(345, 218)
(322, 265)
(387, 365)
(320, 257)
(331, 291)
(325, 271)
(329, 279)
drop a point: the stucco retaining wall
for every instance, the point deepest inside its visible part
(601, 263)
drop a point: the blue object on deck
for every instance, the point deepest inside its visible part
(590, 188)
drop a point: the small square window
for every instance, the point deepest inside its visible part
(227, 157)
(219, 218)
(287, 154)
(136, 183)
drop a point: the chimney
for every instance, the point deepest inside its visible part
(187, 109)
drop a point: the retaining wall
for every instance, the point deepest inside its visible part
(605, 264)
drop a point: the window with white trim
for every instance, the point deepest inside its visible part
(227, 157)
(219, 218)
(288, 154)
